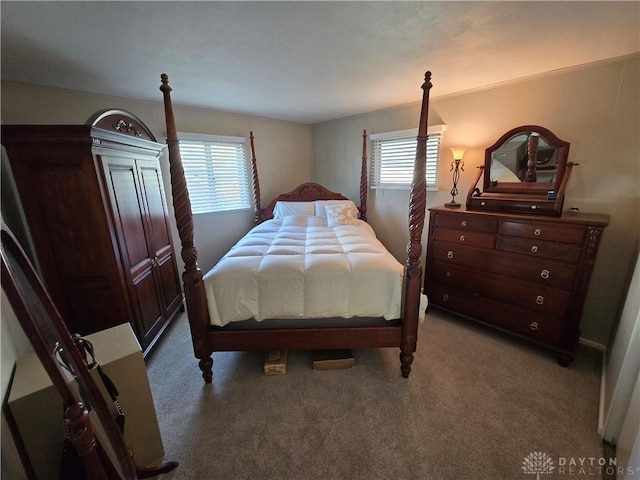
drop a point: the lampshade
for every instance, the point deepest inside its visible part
(458, 152)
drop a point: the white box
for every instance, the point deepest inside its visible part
(38, 411)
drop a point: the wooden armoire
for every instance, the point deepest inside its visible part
(95, 206)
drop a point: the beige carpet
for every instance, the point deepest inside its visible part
(476, 405)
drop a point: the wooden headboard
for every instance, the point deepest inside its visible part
(307, 191)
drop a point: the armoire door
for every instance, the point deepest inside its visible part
(159, 236)
(138, 259)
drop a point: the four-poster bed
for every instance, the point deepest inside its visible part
(358, 332)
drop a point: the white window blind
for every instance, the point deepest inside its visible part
(393, 157)
(215, 168)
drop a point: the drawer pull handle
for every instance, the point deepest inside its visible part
(482, 204)
(539, 299)
(445, 298)
(448, 274)
(534, 207)
(464, 223)
(537, 232)
(534, 249)
(462, 238)
(534, 326)
(544, 274)
(450, 254)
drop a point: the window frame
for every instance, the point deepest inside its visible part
(205, 207)
(412, 133)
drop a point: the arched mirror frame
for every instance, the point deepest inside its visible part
(528, 197)
(527, 187)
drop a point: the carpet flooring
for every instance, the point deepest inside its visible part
(478, 405)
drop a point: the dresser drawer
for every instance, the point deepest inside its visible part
(474, 223)
(542, 271)
(534, 297)
(492, 204)
(543, 231)
(539, 248)
(483, 240)
(522, 322)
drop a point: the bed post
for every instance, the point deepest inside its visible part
(364, 189)
(413, 270)
(255, 182)
(192, 276)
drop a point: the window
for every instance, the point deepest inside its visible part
(215, 168)
(394, 154)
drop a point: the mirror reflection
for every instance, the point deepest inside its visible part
(526, 159)
(525, 171)
(509, 162)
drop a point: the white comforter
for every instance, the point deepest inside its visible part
(298, 267)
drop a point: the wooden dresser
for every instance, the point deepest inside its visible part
(94, 201)
(523, 274)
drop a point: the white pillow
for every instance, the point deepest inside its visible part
(285, 209)
(321, 204)
(341, 215)
(303, 221)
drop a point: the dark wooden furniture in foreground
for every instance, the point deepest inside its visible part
(104, 458)
(207, 339)
(94, 201)
(525, 273)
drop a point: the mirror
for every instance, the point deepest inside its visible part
(101, 448)
(526, 171)
(527, 159)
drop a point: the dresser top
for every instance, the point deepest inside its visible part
(595, 219)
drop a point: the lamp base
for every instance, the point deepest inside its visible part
(452, 204)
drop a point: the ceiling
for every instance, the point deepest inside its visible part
(306, 62)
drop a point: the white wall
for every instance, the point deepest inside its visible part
(595, 108)
(621, 394)
(628, 446)
(623, 361)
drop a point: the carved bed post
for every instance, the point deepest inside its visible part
(255, 182)
(413, 270)
(192, 276)
(363, 179)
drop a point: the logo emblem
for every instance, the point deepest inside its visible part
(538, 463)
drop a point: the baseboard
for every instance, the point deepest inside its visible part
(592, 344)
(602, 390)
(603, 349)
